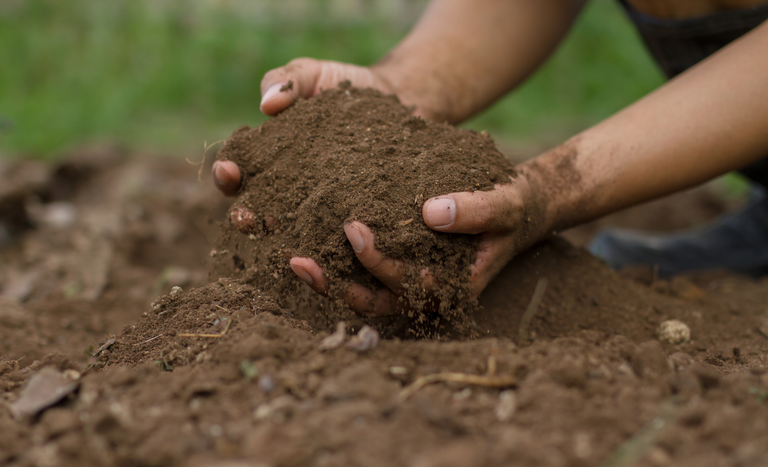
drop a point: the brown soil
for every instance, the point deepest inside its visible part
(223, 375)
(351, 154)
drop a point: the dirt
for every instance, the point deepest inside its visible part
(353, 154)
(220, 373)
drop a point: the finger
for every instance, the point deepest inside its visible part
(226, 177)
(473, 212)
(387, 270)
(494, 252)
(369, 303)
(305, 77)
(358, 298)
(281, 86)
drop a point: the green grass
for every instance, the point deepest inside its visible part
(167, 75)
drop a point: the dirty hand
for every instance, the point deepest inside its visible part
(505, 217)
(302, 77)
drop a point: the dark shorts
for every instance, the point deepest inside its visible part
(680, 44)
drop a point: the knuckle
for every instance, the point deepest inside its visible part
(374, 262)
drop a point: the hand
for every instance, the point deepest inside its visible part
(508, 219)
(302, 77)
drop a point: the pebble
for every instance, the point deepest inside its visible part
(336, 339)
(267, 384)
(674, 332)
(506, 406)
(366, 339)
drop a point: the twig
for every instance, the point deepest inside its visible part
(206, 147)
(525, 321)
(105, 346)
(213, 336)
(149, 340)
(476, 380)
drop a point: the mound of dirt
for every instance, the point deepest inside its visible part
(222, 375)
(356, 154)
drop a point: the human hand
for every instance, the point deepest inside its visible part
(509, 219)
(302, 77)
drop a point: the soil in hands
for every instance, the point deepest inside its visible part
(355, 154)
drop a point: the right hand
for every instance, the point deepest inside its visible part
(307, 77)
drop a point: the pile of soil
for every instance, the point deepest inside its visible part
(356, 154)
(221, 374)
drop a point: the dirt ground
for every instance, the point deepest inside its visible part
(104, 362)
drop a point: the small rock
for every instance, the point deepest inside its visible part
(267, 384)
(44, 389)
(366, 339)
(506, 406)
(674, 332)
(58, 215)
(176, 290)
(335, 340)
(279, 407)
(398, 370)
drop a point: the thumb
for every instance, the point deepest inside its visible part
(474, 212)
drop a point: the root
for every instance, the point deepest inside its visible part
(149, 340)
(206, 147)
(213, 336)
(488, 380)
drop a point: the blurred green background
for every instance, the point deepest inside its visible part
(165, 75)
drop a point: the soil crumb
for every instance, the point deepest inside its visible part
(356, 154)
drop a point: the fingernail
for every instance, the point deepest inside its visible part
(271, 92)
(220, 176)
(441, 212)
(355, 237)
(302, 273)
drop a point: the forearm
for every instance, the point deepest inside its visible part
(708, 121)
(463, 55)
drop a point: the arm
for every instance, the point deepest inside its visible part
(706, 122)
(459, 58)
(462, 56)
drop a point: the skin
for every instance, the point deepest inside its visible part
(708, 121)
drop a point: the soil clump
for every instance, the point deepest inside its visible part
(356, 154)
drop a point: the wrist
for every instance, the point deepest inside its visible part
(409, 87)
(536, 217)
(554, 189)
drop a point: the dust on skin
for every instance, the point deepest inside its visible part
(561, 193)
